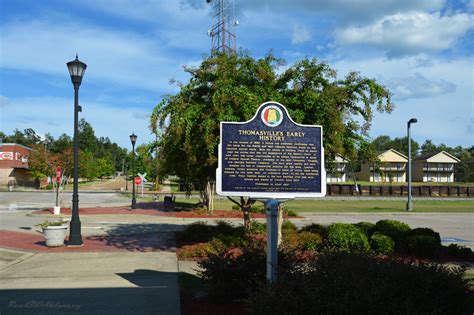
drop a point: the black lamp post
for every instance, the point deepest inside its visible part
(133, 139)
(76, 70)
(410, 202)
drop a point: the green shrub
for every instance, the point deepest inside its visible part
(309, 241)
(235, 207)
(422, 245)
(342, 283)
(290, 213)
(347, 238)
(201, 232)
(257, 228)
(197, 232)
(425, 231)
(458, 251)
(232, 275)
(422, 242)
(382, 244)
(257, 209)
(395, 229)
(316, 228)
(288, 227)
(365, 227)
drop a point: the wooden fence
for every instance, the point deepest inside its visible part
(385, 190)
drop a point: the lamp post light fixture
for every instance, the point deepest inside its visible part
(133, 139)
(76, 70)
(409, 202)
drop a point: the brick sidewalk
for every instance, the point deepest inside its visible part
(100, 243)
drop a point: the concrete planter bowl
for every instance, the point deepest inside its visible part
(54, 232)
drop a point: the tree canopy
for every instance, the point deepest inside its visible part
(231, 87)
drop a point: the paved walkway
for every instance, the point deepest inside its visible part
(128, 263)
(125, 269)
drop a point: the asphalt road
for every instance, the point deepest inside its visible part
(39, 200)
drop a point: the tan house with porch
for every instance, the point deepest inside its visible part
(390, 167)
(436, 167)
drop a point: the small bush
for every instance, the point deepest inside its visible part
(235, 207)
(422, 242)
(458, 251)
(365, 227)
(257, 228)
(232, 276)
(309, 241)
(197, 232)
(290, 213)
(316, 228)
(425, 231)
(347, 238)
(288, 227)
(395, 229)
(422, 245)
(257, 209)
(382, 244)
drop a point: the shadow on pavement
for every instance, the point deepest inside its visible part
(157, 293)
(143, 237)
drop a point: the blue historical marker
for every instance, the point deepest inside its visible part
(271, 156)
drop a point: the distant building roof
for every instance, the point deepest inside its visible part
(15, 144)
(427, 156)
(393, 151)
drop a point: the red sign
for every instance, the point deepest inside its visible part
(58, 174)
(138, 180)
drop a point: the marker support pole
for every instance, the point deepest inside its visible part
(271, 206)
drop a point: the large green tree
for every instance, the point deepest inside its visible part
(231, 87)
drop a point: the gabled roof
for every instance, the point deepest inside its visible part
(430, 155)
(401, 156)
(340, 159)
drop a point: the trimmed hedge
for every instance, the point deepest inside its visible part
(347, 238)
(382, 244)
(342, 283)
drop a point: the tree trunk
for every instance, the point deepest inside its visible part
(245, 206)
(246, 209)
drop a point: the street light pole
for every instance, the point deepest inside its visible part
(410, 202)
(133, 139)
(76, 70)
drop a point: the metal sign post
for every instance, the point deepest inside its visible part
(271, 207)
(143, 180)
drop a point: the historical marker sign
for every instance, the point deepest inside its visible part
(271, 156)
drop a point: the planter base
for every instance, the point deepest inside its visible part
(57, 210)
(55, 235)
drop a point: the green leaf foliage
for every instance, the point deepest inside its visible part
(231, 87)
(347, 238)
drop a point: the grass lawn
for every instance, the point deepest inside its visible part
(321, 205)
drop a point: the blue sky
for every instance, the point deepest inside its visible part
(421, 50)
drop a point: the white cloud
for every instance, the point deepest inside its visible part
(434, 111)
(418, 86)
(107, 121)
(348, 11)
(3, 101)
(409, 33)
(300, 34)
(116, 56)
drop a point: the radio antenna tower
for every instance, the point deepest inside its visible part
(222, 31)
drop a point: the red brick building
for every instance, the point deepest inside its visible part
(14, 166)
